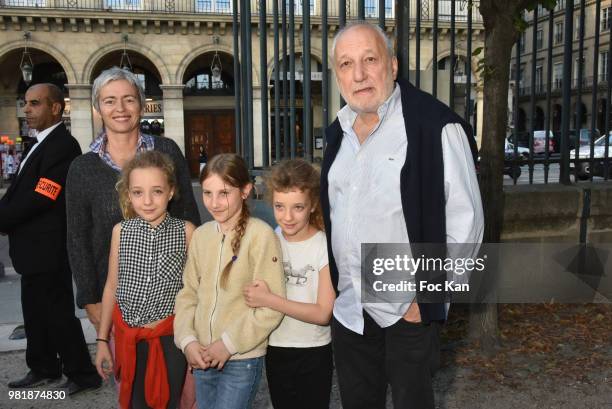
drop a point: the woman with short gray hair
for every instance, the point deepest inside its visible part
(92, 202)
(115, 74)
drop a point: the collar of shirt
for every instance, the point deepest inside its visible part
(347, 117)
(143, 224)
(40, 136)
(145, 143)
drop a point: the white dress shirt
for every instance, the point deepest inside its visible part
(365, 202)
(40, 136)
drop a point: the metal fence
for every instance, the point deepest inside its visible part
(555, 91)
(560, 150)
(409, 17)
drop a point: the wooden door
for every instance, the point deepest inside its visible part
(213, 130)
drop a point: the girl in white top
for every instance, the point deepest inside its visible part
(299, 357)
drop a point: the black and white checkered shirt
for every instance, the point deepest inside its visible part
(151, 261)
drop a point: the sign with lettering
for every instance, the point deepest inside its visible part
(154, 109)
(49, 188)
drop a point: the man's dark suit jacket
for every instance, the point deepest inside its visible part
(33, 210)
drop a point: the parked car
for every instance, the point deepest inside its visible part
(599, 150)
(509, 146)
(539, 141)
(509, 164)
(575, 141)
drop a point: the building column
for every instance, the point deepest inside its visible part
(334, 98)
(81, 124)
(9, 121)
(174, 118)
(479, 114)
(257, 131)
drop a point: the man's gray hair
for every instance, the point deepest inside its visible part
(115, 74)
(362, 23)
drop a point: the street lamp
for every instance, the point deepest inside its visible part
(26, 66)
(458, 71)
(215, 65)
(125, 63)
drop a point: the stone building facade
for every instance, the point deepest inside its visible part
(536, 82)
(171, 45)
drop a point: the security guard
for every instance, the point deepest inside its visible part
(33, 214)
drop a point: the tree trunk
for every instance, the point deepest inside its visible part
(501, 34)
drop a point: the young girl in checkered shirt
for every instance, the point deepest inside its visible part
(299, 357)
(148, 252)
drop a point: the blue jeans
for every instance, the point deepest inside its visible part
(234, 387)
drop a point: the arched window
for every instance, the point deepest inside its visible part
(45, 72)
(148, 81)
(199, 79)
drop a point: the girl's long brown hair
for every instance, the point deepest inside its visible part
(148, 159)
(297, 174)
(232, 169)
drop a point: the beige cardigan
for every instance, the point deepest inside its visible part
(205, 312)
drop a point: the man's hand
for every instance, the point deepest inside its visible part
(217, 354)
(193, 353)
(413, 314)
(94, 313)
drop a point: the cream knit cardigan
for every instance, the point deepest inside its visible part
(205, 312)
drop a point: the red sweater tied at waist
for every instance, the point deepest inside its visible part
(157, 390)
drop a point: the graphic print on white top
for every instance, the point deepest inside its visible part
(299, 276)
(302, 262)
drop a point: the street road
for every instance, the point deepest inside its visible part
(538, 175)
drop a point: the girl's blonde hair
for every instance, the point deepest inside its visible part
(233, 170)
(143, 160)
(297, 174)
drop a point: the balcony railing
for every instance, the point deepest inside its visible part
(225, 7)
(444, 10)
(556, 85)
(141, 6)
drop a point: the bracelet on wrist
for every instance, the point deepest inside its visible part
(102, 340)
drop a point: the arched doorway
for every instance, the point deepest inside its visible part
(209, 108)
(459, 73)
(46, 69)
(316, 104)
(147, 73)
